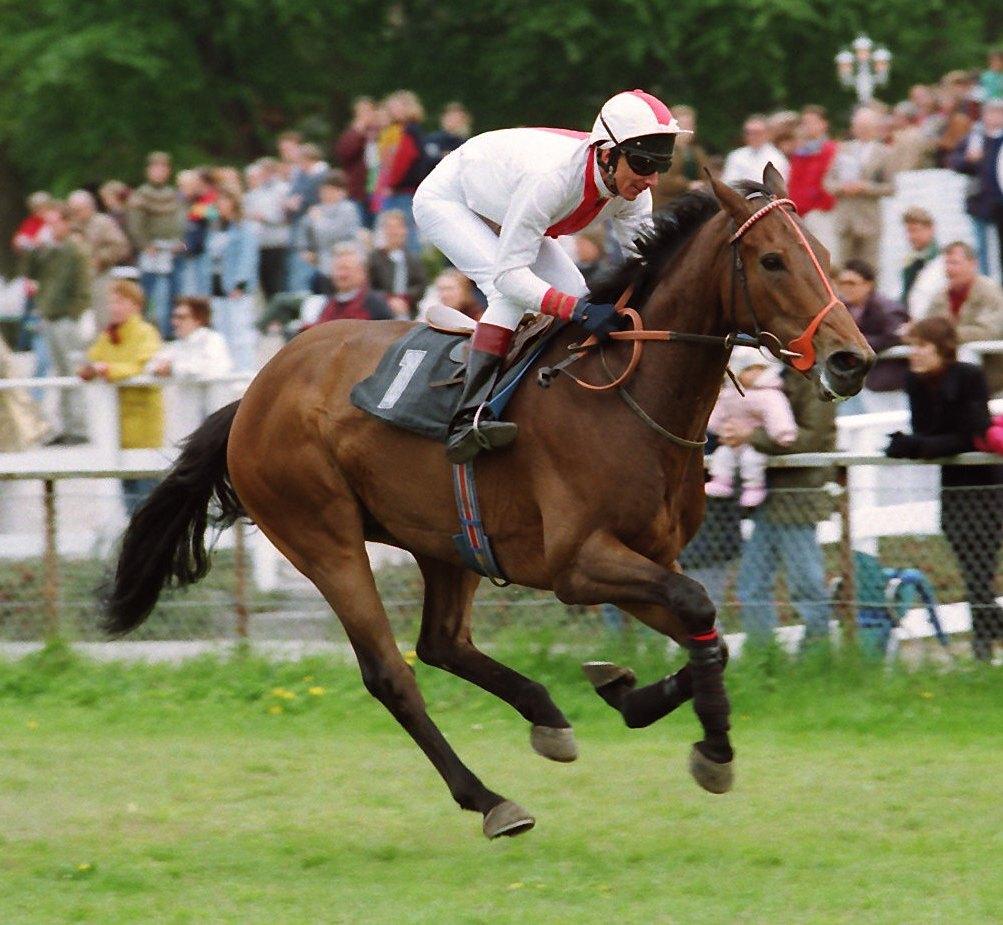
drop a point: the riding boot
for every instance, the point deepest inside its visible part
(465, 440)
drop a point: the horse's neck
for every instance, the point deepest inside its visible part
(679, 383)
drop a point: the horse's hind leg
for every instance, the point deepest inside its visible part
(351, 590)
(445, 642)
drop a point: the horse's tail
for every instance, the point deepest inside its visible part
(164, 543)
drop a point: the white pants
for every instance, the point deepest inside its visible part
(823, 226)
(444, 219)
(750, 464)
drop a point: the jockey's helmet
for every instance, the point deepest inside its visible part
(639, 126)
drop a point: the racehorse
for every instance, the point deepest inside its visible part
(590, 502)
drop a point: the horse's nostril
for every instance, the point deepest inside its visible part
(845, 361)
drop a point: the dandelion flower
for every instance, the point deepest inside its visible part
(275, 709)
(83, 868)
(518, 885)
(32, 724)
(316, 691)
(926, 695)
(411, 657)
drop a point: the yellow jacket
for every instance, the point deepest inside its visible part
(141, 408)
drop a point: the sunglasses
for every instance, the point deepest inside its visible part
(645, 166)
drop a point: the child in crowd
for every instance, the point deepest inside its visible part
(764, 405)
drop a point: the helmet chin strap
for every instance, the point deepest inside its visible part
(609, 169)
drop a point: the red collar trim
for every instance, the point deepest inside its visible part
(591, 205)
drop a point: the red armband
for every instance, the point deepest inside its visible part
(559, 304)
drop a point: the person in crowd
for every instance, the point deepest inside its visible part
(590, 254)
(227, 176)
(233, 260)
(974, 303)
(783, 535)
(858, 178)
(405, 167)
(288, 147)
(304, 194)
(156, 222)
(198, 193)
(550, 184)
(264, 206)
(689, 161)
(991, 79)
(454, 129)
(22, 424)
(784, 128)
(810, 161)
(197, 351)
(353, 297)
(880, 320)
(908, 147)
(350, 152)
(61, 273)
(454, 290)
(333, 220)
(106, 245)
(749, 161)
(980, 155)
(33, 231)
(396, 272)
(956, 114)
(923, 274)
(948, 402)
(765, 405)
(122, 351)
(114, 196)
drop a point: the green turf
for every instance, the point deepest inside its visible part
(176, 795)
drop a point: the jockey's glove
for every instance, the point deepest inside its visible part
(600, 319)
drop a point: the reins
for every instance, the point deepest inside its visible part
(800, 352)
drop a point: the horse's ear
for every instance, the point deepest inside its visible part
(773, 180)
(731, 201)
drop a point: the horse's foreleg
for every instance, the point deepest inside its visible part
(445, 642)
(677, 606)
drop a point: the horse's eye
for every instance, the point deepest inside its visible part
(771, 262)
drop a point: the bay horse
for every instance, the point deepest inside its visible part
(589, 502)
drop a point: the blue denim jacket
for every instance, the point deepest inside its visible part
(237, 247)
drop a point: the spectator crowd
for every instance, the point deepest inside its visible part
(187, 273)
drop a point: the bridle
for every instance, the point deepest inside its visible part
(799, 353)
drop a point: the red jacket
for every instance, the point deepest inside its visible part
(350, 152)
(804, 185)
(366, 305)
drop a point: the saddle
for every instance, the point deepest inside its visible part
(450, 321)
(416, 384)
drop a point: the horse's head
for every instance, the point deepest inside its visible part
(781, 287)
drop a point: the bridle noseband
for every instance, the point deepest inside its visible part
(799, 353)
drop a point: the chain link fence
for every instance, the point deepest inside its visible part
(889, 560)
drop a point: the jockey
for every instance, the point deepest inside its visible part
(494, 207)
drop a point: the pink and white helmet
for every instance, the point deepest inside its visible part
(635, 120)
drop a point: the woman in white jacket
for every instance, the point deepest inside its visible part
(199, 352)
(494, 207)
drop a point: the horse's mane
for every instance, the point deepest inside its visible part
(671, 227)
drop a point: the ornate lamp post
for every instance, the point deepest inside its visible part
(864, 68)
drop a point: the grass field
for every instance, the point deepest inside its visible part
(245, 792)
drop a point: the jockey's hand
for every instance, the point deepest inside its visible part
(600, 318)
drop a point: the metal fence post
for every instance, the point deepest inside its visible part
(848, 596)
(240, 579)
(50, 561)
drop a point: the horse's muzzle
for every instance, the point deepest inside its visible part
(842, 374)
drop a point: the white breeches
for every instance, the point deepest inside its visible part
(444, 218)
(750, 464)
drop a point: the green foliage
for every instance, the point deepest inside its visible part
(90, 87)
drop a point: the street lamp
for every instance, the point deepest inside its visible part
(864, 68)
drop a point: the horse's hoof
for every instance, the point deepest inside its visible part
(602, 673)
(507, 818)
(714, 776)
(555, 744)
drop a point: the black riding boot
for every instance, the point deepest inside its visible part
(465, 440)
